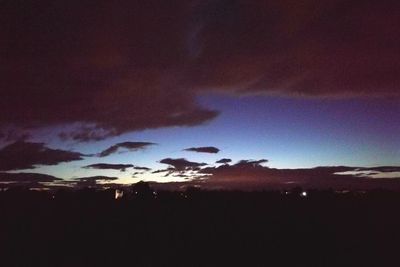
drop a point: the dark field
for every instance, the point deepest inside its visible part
(88, 228)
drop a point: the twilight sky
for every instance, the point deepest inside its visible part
(162, 90)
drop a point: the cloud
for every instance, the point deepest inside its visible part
(182, 164)
(27, 155)
(68, 63)
(311, 48)
(224, 161)
(130, 146)
(27, 177)
(171, 169)
(250, 163)
(246, 177)
(181, 168)
(250, 175)
(382, 169)
(10, 134)
(102, 70)
(134, 175)
(206, 149)
(107, 166)
(142, 168)
(95, 179)
(93, 182)
(385, 172)
(28, 180)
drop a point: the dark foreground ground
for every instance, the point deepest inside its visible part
(199, 229)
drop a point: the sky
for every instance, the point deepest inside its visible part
(162, 90)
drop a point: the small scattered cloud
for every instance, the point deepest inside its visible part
(179, 167)
(108, 166)
(142, 168)
(163, 170)
(251, 163)
(205, 149)
(182, 164)
(28, 155)
(224, 161)
(129, 146)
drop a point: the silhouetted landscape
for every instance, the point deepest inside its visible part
(144, 227)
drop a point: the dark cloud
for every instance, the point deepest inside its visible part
(251, 163)
(134, 175)
(107, 166)
(313, 48)
(11, 134)
(130, 146)
(86, 132)
(28, 180)
(142, 168)
(27, 155)
(182, 164)
(205, 149)
(101, 65)
(180, 175)
(257, 177)
(224, 161)
(114, 68)
(93, 182)
(181, 168)
(27, 177)
(163, 170)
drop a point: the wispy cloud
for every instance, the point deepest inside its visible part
(128, 146)
(205, 149)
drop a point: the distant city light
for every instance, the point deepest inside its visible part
(304, 194)
(118, 193)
